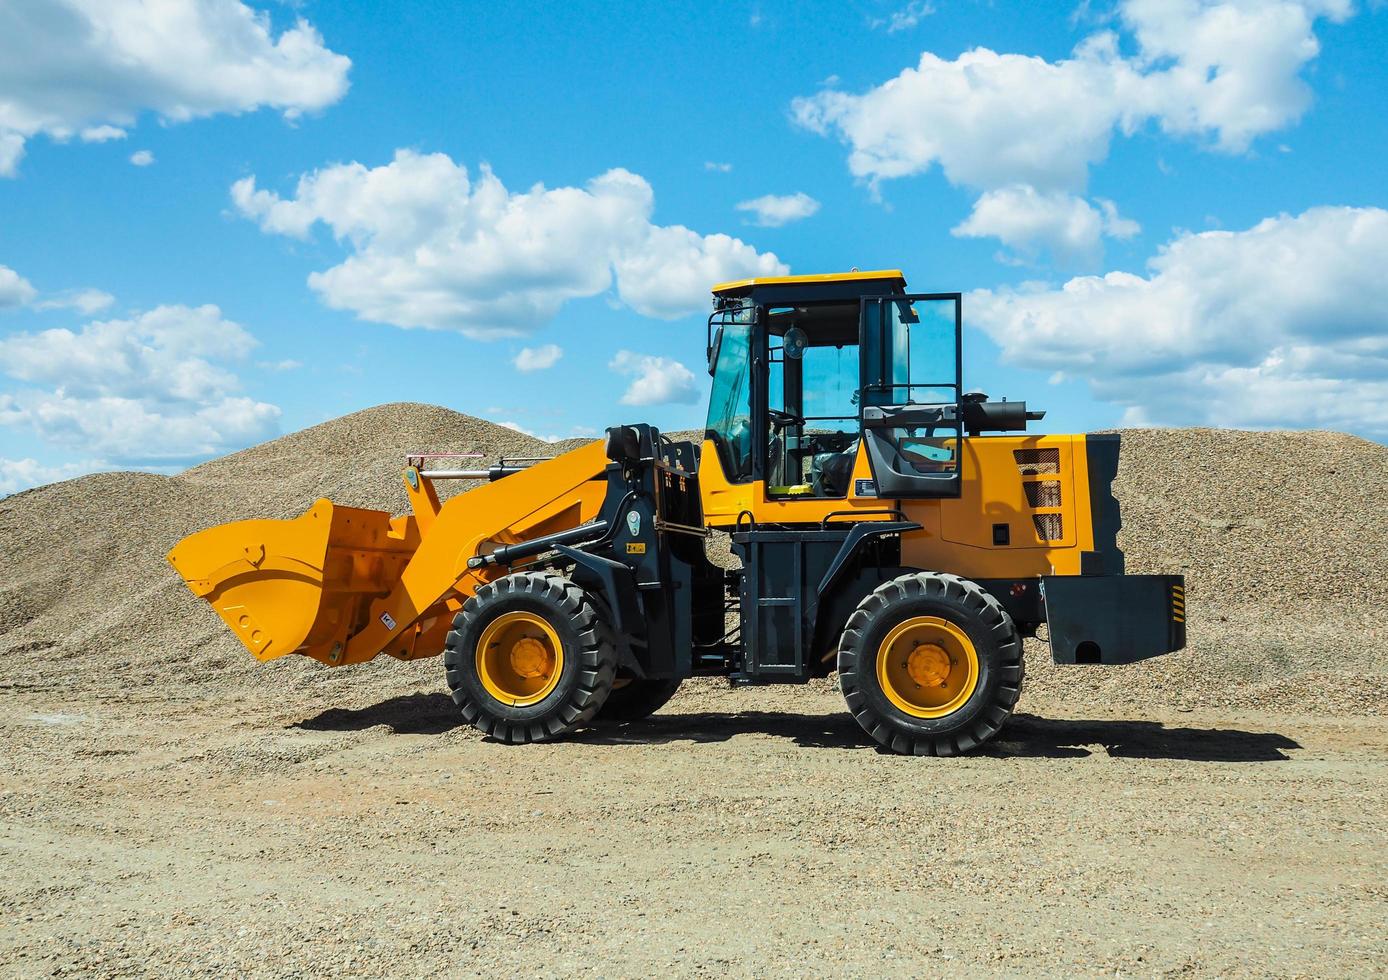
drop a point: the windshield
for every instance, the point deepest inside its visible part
(730, 404)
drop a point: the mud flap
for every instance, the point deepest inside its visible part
(1114, 619)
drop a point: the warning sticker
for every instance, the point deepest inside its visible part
(864, 488)
(636, 547)
(388, 620)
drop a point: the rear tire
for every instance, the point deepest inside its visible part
(635, 698)
(529, 659)
(930, 664)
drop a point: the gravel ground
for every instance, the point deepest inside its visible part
(735, 832)
(167, 805)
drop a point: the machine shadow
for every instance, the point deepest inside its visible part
(835, 731)
(1026, 736)
(1029, 735)
(407, 714)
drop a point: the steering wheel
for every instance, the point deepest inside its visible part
(775, 451)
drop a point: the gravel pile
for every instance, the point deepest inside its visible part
(88, 599)
(1282, 538)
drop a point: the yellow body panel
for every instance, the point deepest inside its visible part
(724, 501)
(736, 284)
(343, 585)
(956, 533)
(287, 586)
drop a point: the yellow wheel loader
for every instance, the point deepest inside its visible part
(890, 526)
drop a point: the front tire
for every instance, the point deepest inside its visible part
(930, 664)
(529, 659)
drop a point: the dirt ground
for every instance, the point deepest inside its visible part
(265, 833)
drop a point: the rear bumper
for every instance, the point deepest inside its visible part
(1114, 619)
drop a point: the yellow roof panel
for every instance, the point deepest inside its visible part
(727, 287)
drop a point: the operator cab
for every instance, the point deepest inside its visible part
(812, 373)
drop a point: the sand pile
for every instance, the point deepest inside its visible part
(88, 600)
(1282, 537)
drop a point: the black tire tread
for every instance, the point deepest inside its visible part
(987, 611)
(597, 655)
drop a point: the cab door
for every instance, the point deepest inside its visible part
(911, 404)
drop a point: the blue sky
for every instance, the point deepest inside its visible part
(221, 221)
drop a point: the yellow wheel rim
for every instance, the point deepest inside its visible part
(519, 658)
(927, 667)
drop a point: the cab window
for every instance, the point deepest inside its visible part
(812, 401)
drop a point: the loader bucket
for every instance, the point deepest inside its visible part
(301, 585)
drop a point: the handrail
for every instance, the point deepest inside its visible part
(892, 511)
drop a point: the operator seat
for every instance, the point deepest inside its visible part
(830, 473)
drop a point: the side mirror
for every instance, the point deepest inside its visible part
(714, 346)
(623, 445)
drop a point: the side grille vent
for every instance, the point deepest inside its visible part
(1049, 527)
(1044, 493)
(1034, 461)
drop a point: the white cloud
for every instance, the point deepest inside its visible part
(1026, 219)
(670, 273)
(1115, 225)
(91, 67)
(21, 474)
(11, 152)
(102, 134)
(87, 301)
(1229, 70)
(142, 158)
(288, 364)
(1278, 325)
(774, 210)
(907, 17)
(721, 168)
(430, 247)
(1226, 72)
(538, 358)
(157, 386)
(530, 432)
(987, 119)
(14, 289)
(656, 380)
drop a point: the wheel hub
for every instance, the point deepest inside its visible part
(928, 665)
(529, 658)
(519, 658)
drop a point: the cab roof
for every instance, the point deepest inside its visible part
(817, 288)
